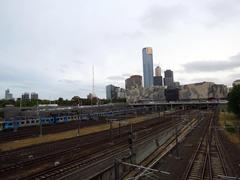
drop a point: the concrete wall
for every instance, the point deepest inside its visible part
(145, 94)
(204, 90)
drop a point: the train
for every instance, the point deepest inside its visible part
(18, 122)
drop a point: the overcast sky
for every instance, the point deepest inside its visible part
(50, 46)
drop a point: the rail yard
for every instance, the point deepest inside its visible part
(172, 143)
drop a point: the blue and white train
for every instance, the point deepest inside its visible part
(19, 122)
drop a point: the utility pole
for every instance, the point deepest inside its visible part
(15, 124)
(79, 118)
(119, 128)
(14, 119)
(176, 136)
(130, 145)
(159, 111)
(116, 169)
(111, 134)
(40, 122)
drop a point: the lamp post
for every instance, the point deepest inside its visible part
(40, 122)
(79, 117)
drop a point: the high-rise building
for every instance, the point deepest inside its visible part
(111, 92)
(8, 95)
(34, 96)
(158, 71)
(168, 78)
(157, 81)
(147, 66)
(133, 82)
(25, 96)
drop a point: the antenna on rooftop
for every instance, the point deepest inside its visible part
(93, 86)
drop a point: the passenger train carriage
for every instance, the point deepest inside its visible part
(18, 122)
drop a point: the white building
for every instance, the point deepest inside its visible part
(8, 95)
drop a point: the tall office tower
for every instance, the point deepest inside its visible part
(147, 66)
(157, 71)
(157, 79)
(8, 95)
(134, 81)
(111, 92)
(168, 78)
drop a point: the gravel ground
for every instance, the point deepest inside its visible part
(176, 166)
(233, 152)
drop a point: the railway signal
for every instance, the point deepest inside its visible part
(39, 119)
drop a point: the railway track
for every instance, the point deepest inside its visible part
(93, 158)
(208, 161)
(154, 158)
(37, 150)
(78, 156)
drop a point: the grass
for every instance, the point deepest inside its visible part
(69, 134)
(230, 122)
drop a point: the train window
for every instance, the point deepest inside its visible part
(28, 122)
(10, 124)
(37, 121)
(22, 122)
(32, 121)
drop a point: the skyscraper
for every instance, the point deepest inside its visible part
(157, 71)
(111, 92)
(168, 78)
(157, 79)
(147, 66)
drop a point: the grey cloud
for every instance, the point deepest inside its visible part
(126, 75)
(61, 70)
(69, 81)
(223, 11)
(163, 17)
(77, 61)
(133, 35)
(213, 65)
(208, 79)
(115, 78)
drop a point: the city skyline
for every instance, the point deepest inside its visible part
(50, 47)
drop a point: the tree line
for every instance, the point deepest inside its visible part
(60, 101)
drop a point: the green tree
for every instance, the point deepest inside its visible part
(76, 100)
(234, 100)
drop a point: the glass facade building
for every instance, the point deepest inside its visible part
(168, 80)
(147, 67)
